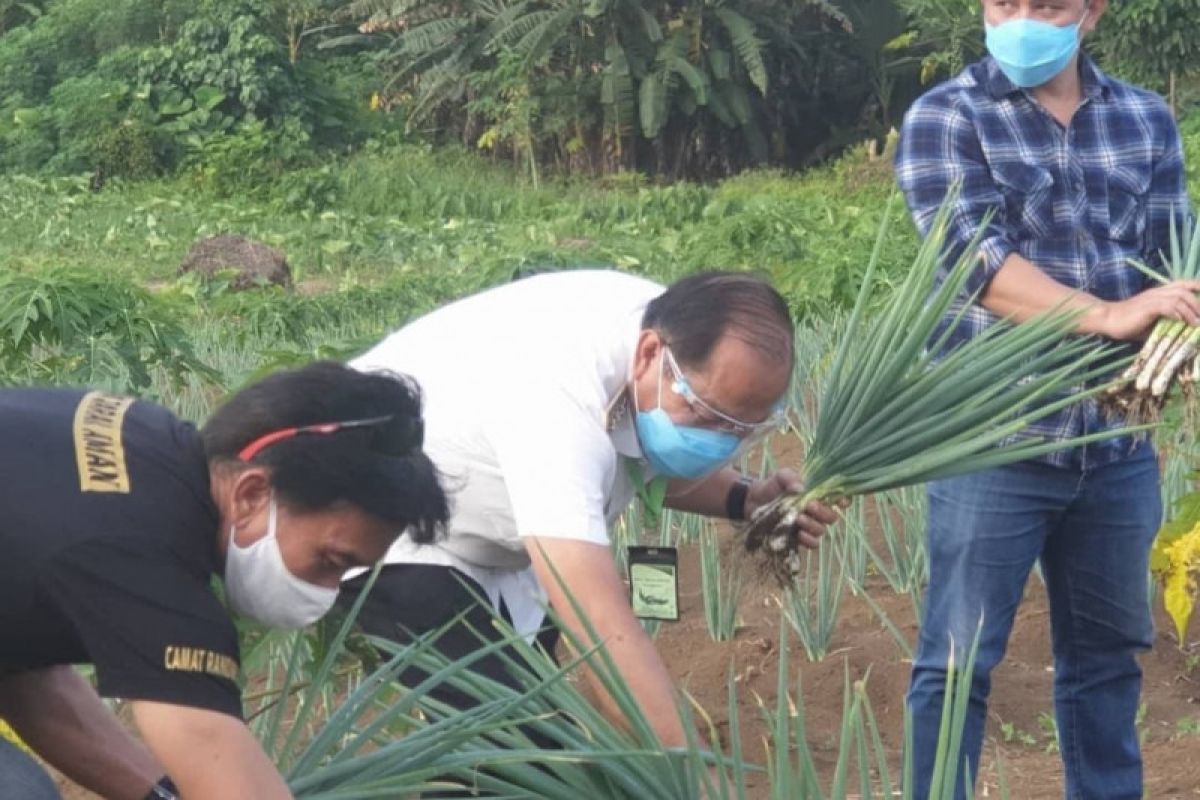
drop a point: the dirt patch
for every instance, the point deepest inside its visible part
(1021, 695)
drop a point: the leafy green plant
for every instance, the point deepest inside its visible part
(1049, 731)
(948, 33)
(1188, 726)
(1145, 41)
(1012, 734)
(707, 82)
(76, 327)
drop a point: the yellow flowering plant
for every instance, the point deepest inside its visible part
(1175, 561)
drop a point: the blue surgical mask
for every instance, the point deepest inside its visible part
(1031, 52)
(681, 451)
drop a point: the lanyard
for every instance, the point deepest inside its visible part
(652, 494)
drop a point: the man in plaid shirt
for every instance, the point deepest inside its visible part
(1081, 172)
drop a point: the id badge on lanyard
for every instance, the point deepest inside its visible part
(653, 571)
(654, 582)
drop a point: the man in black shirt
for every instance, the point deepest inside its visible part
(114, 515)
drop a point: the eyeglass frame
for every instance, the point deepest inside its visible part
(731, 425)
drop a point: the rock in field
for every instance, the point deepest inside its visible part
(254, 262)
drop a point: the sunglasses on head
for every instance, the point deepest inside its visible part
(400, 438)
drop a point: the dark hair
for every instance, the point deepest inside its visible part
(379, 468)
(695, 312)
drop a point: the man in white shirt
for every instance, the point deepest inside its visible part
(545, 400)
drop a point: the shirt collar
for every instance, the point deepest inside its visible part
(621, 429)
(1096, 85)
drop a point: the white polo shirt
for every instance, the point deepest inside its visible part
(518, 381)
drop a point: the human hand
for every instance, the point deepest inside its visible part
(809, 526)
(1132, 319)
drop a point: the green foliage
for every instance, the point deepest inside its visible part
(1189, 130)
(898, 411)
(129, 88)
(222, 68)
(75, 327)
(451, 222)
(131, 149)
(1149, 41)
(246, 159)
(714, 86)
(948, 34)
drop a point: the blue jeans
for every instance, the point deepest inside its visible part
(22, 777)
(1092, 529)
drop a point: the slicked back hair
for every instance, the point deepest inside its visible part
(694, 313)
(380, 469)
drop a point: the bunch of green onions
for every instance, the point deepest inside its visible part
(1169, 355)
(896, 410)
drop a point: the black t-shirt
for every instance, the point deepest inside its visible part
(107, 547)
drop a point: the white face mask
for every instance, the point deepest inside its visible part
(260, 586)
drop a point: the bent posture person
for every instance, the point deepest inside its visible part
(1083, 173)
(114, 515)
(549, 399)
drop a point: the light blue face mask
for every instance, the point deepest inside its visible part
(681, 451)
(1031, 52)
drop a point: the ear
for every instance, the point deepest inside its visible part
(250, 494)
(1095, 10)
(647, 354)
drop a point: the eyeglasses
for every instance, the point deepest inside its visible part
(408, 438)
(724, 422)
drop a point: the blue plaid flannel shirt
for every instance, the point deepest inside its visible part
(1077, 202)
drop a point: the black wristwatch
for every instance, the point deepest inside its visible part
(735, 501)
(163, 790)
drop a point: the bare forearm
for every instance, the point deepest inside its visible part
(706, 496)
(60, 716)
(211, 756)
(598, 592)
(643, 672)
(1020, 290)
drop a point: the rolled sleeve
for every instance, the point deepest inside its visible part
(939, 151)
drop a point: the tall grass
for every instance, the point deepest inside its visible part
(411, 212)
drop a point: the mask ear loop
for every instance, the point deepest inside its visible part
(272, 520)
(662, 363)
(272, 517)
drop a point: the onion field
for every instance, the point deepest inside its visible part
(796, 685)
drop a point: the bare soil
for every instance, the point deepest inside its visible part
(1021, 693)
